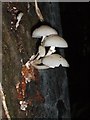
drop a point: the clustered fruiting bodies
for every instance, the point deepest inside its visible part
(51, 39)
(42, 60)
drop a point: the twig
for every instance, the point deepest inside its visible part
(4, 103)
(38, 11)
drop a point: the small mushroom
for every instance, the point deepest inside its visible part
(54, 60)
(43, 31)
(18, 19)
(54, 41)
(41, 52)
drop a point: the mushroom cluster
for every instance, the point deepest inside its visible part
(49, 38)
(45, 58)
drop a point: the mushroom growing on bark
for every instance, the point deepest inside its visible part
(18, 19)
(50, 39)
(41, 52)
(55, 60)
(53, 41)
(51, 61)
(43, 31)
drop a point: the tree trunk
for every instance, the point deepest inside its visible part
(18, 45)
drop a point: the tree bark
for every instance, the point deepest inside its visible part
(18, 44)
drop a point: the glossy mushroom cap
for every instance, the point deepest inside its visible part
(54, 60)
(54, 40)
(43, 30)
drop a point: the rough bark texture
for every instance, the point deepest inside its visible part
(17, 45)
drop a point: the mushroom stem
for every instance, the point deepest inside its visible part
(38, 57)
(36, 62)
(51, 50)
(33, 57)
(42, 39)
(38, 11)
(27, 64)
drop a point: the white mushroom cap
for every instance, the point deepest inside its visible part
(43, 30)
(55, 40)
(54, 60)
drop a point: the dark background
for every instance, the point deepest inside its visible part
(75, 22)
